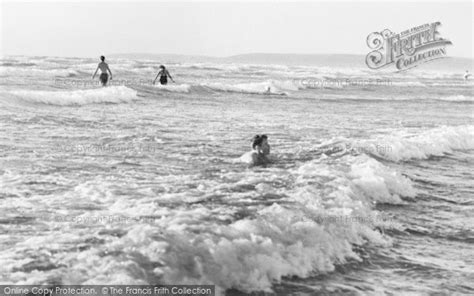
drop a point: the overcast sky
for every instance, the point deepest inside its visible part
(220, 29)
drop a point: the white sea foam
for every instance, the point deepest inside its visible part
(422, 145)
(331, 211)
(232, 67)
(408, 83)
(355, 181)
(416, 72)
(180, 88)
(454, 98)
(457, 98)
(34, 71)
(207, 223)
(113, 94)
(328, 211)
(380, 183)
(338, 71)
(265, 87)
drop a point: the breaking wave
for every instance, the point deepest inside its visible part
(458, 98)
(327, 213)
(402, 146)
(33, 71)
(265, 87)
(113, 94)
(181, 88)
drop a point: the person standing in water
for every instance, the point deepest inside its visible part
(104, 67)
(467, 75)
(164, 74)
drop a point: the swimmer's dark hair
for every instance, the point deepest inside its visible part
(102, 58)
(162, 67)
(257, 140)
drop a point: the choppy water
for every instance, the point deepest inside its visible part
(369, 191)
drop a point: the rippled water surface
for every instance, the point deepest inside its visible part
(369, 190)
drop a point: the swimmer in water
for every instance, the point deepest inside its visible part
(264, 146)
(259, 153)
(104, 67)
(467, 75)
(164, 74)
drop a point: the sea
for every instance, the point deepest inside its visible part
(369, 189)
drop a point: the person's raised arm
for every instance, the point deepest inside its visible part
(93, 76)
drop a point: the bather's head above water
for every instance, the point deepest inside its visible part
(256, 141)
(259, 153)
(260, 144)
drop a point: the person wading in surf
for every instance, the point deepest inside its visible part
(164, 74)
(104, 67)
(467, 75)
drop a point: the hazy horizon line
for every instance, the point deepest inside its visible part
(215, 57)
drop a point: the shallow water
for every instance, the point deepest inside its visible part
(369, 190)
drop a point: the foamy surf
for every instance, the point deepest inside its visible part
(260, 88)
(148, 192)
(112, 94)
(457, 98)
(325, 216)
(179, 88)
(36, 72)
(265, 87)
(356, 181)
(402, 146)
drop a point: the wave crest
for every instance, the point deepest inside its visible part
(265, 87)
(433, 142)
(113, 94)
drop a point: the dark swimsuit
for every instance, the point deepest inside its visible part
(103, 78)
(163, 79)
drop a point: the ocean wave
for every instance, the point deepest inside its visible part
(30, 71)
(356, 179)
(231, 67)
(340, 71)
(180, 88)
(326, 214)
(408, 83)
(17, 64)
(371, 97)
(403, 146)
(457, 98)
(442, 75)
(259, 88)
(330, 211)
(119, 69)
(265, 87)
(113, 94)
(454, 84)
